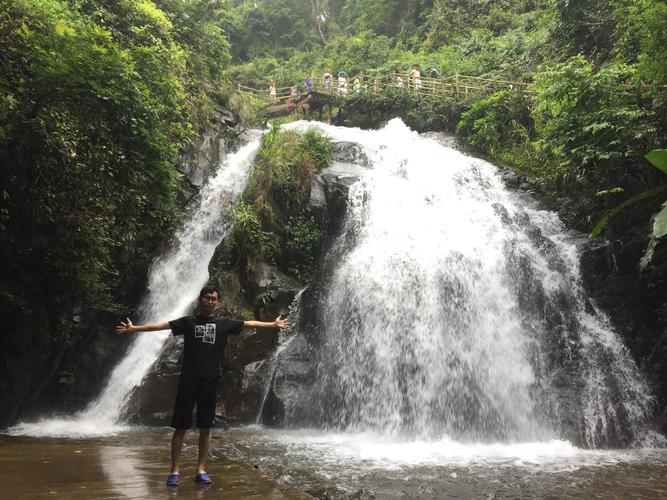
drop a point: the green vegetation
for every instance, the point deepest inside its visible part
(502, 125)
(657, 158)
(97, 100)
(272, 220)
(370, 110)
(594, 126)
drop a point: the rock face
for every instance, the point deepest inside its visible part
(28, 361)
(328, 194)
(241, 388)
(93, 350)
(636, 303)
(216, 139)
(61, 375)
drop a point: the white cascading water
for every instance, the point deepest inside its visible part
(454, 310)
(174, 282)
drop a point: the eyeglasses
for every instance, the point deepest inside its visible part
(209, 299)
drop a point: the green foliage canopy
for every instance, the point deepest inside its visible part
(596, 125)
(95, 106)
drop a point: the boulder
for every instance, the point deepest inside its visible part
(328, 193)
(350, 153)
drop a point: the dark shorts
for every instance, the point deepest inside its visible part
(191, 391)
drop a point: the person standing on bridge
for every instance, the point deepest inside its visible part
(342, 84)
(399, 82)
(292, 93)
(309, 84)
(204, 335)
(415, 76)
(328, 80)
(272, 90)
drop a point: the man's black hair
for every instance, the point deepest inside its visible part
(209, 289)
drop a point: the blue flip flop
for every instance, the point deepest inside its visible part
(203, 478)
(173, 479)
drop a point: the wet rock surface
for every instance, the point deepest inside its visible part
(328, 195)
(349, 152)
(94, 349)
(447, 140)
(62, 374)
(217, 137)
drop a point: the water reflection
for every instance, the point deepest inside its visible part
(200, 491)
(123, 469)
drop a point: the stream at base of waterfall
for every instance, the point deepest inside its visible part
(259, 463)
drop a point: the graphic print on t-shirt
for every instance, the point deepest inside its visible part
(205, 332)
(209, 334)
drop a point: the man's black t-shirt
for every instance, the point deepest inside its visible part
(204, 343)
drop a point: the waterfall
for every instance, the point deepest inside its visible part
(175, 279)
(450, 307)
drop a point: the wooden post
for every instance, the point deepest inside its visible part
(456, 84)
(375, 85)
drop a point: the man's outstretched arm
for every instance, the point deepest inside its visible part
(278, 323)
(148, 327)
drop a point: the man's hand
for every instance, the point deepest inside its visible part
(148, 327)
(267, 325)
(281, 323)
(125, 327)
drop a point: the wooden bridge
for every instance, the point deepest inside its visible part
(453, 87)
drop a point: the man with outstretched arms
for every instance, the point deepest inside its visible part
(205, 335)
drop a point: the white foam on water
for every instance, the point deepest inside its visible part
(73, 427)
(365, 451)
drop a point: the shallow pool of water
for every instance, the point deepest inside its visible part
(133, 464)
(367, 465)
(256, 462)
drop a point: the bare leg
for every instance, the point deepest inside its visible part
(204, 443)
(176, 447)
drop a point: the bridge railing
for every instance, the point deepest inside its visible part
(451, 87)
